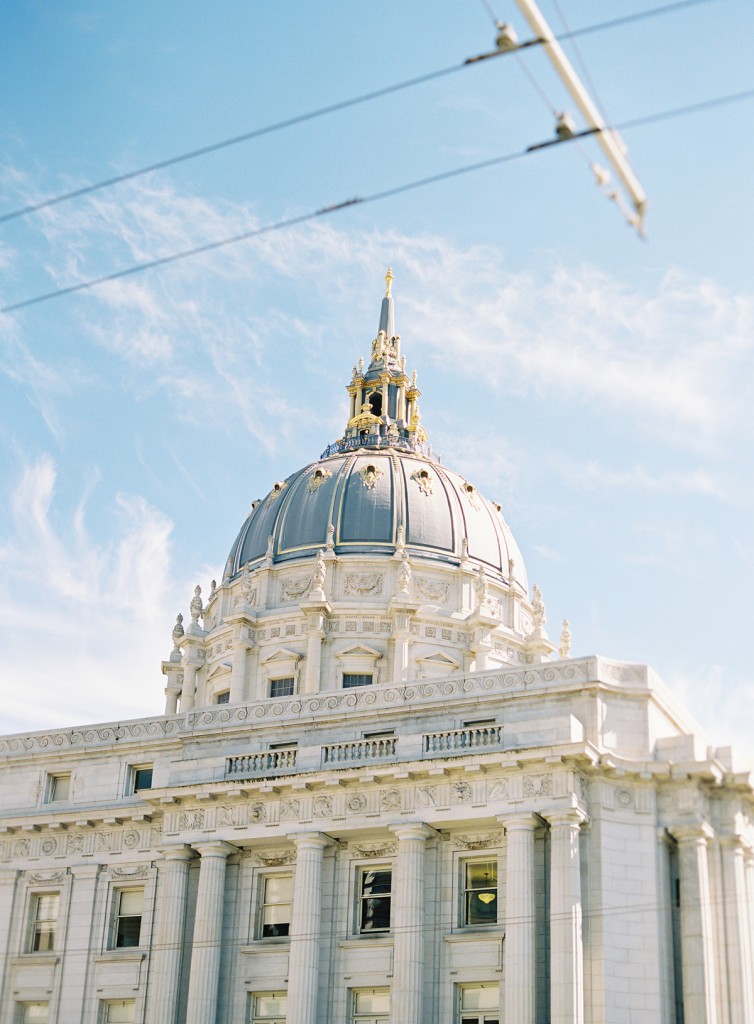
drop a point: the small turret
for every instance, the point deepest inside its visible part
(384, 400)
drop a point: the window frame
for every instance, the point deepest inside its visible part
(106, 1004)
(263, 903)
(477, 1016)
(254, 1018)
(465, 891)
(282, 679)
(223, 697)
(22, 1006)
(134, 771)
(368, 676)
(53, 778)
(367, 1017)
(362, 870)
(35, 920)
(117, 896)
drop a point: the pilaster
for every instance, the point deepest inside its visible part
(407, 920)
(697, 944)
(167, 956)
(306, 924)
(206, 944)
(566, 943)
(520, 955)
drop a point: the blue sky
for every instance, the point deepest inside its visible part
(598, 386)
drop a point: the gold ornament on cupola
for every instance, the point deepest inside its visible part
(384, 400)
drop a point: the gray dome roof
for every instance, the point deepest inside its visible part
(367, 496)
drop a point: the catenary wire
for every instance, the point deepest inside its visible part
(455, 172)
(322, 112)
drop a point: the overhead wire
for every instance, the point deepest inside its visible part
(663, 115)
(324, 111)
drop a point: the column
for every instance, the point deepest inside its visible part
(519, 988)
(188, 692)
(238, 673)
(697, 948)
(306, 923)
(737, 939)
(208, 923)
(8, 882)
(79, 944)
(165, 974)
(315, 632)
(566, 948)
(407, 921)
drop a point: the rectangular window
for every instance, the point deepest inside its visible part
(119, 1011)
(282, 687)
(268, 1008)
(356, 679)
(275, 911)
(375, 885)
(223, 698)
(379, 735)
(44, 922)
(58, 789)
(129, 906)
(141, 777)
(34, 1013)
(370, 1006)
(479, 1004)
(479, 892)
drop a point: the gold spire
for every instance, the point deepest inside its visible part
(388, 281)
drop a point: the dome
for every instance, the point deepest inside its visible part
(371, 500)
(379, 487)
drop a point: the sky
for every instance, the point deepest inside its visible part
(596, 384)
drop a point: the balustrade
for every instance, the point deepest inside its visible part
(261, 763)
(472, 737)
(358, 750)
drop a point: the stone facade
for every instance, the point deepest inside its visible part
(374, 796)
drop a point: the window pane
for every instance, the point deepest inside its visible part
(131, 901)
(269, 1006)
(281, 687)
(61, 788)
(372, 1001)
(128, 923)
(35, 1013)
(45, 922)
(481, 892)
(142, 779)
(375, 900)
(223, 698)
(482, 997)
(120, 1011)
(278, 889)
(276, 905)
(354, 679)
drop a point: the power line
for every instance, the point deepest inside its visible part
(324, 111)
(456, 172)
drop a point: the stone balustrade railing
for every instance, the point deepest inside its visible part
(456, 741)
(263, 763)
(358, 750)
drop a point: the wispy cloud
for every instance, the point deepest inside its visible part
(99, 610)
(592, 476)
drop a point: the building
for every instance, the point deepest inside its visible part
(379, 792)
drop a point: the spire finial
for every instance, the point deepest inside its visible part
(388, 282)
